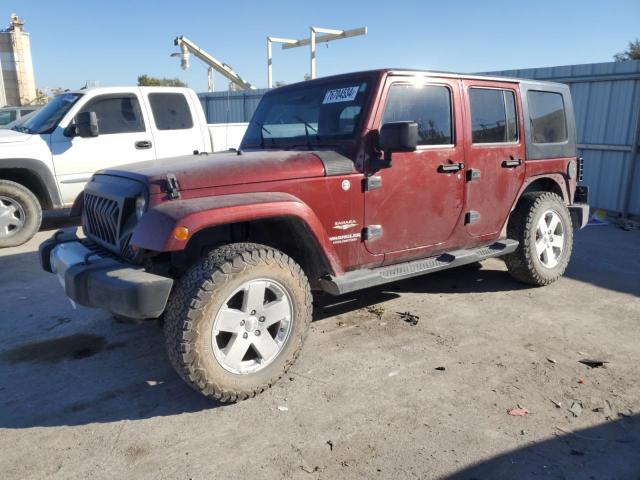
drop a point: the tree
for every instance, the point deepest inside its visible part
(280, 83)
(631, 53)
(148, 81)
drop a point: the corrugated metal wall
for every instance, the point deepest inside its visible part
(606, 99)
(230, 107)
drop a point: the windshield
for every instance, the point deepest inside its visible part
(7, 116)
(47, 118)
(309, 115)
(19, 121)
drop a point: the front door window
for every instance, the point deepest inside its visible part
(429, 106)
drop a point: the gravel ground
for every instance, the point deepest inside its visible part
(371, 396)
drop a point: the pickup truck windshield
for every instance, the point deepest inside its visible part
(47, 118)
(308, 114)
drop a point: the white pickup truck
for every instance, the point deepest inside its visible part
(46, 161)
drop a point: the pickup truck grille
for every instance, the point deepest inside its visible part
(102, 216)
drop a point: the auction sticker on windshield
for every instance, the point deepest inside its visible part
(346, 94)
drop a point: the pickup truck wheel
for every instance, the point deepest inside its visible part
(20, 214)
(542, 224)
(236, 320)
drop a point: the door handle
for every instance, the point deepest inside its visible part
(511, 163)
(143, 144)
(450, 167)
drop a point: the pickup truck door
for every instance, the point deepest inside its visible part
(124, 137)
(417, 202)
(495, 154)
(177, 127)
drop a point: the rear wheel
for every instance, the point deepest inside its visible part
(542, 224)
(20, 214)
(236, 321)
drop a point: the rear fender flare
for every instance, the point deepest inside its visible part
(155, 229)
(557, 179)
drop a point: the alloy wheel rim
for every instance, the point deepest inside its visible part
(12, 217)
(252, 326)
(549, 244)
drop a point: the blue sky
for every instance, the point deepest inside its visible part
(113, 41)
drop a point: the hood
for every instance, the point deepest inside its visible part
(229, 168)
(11, 136)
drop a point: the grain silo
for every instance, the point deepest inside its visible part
(17, 85)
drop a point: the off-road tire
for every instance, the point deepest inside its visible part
(192, 308)
(523, 264)
(32, 213)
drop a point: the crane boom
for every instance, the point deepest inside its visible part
(187, 47)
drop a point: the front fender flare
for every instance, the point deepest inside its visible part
(155, 229)
(42, 173)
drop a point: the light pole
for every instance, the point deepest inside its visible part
(328, 35)
(187, 47)
(270, 42)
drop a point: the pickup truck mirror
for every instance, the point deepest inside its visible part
(397, 137)
(86, 125)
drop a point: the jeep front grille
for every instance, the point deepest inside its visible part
(102, 216)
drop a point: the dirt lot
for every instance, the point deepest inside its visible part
(371, 396)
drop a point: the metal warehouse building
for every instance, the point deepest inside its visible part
(606, 98)
(231, 106)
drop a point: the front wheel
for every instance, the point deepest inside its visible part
(542, 224)
(20, 214)
(236, 320)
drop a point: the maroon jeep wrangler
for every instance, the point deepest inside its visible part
(340, 184)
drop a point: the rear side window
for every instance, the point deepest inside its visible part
(548, 121)
(427, 105)
(116, 114)
(493, 115)
(170, 111)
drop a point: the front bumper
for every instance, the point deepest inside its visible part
(102, 282)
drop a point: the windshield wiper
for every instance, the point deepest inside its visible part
(264, 130)
(308, 126)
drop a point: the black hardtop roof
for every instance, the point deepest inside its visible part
(424, 73)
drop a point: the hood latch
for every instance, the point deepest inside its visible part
(172, 187)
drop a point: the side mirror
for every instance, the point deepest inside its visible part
(86, 125)
(397, 137)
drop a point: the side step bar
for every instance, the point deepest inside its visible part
(359, 279)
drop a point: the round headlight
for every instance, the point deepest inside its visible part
(141, 206)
